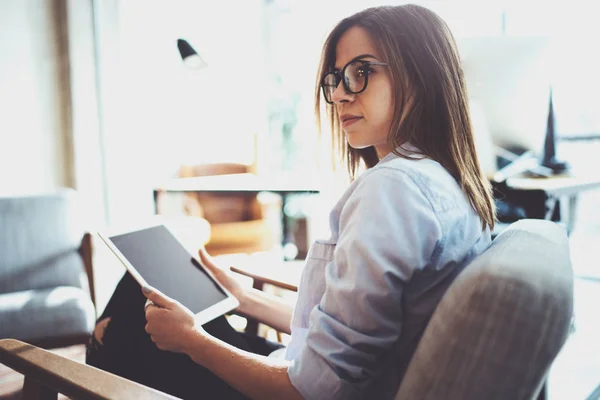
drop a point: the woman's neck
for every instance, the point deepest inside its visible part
(382, 150)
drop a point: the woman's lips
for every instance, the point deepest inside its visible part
(349, 121)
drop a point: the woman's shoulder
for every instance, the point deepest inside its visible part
(394, 175)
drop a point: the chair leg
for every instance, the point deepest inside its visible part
(33, 390)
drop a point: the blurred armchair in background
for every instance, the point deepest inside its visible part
(46, 280)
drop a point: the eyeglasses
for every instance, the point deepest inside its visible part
(355, 78)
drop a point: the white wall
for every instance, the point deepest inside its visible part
(34, 153)
(49, 125)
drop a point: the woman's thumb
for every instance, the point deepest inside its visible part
(157, 297)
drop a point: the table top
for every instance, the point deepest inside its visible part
(242, 183)
(558, 185)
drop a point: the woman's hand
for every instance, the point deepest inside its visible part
(263, 307)
(170, 324)
(223, 276)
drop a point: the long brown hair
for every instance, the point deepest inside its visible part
(431, 109)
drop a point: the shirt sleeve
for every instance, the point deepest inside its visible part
(388, 229)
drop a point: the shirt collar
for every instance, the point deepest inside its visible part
(406, 149)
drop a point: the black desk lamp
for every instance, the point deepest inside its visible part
(190, 57)
(549, 159)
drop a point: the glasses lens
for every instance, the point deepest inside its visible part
(355, 76)
(330, 83)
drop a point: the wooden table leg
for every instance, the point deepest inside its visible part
(572, 214)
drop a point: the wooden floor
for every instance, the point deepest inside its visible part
(11, 382)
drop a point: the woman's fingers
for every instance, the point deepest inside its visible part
(148, 303)
(207, 260)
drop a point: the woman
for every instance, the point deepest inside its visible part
(402, 231)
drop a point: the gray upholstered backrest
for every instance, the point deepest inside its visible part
(501, 323)
(39, 239)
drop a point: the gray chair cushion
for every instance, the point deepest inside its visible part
(39, 238)
(34, 315)
(62, 270)
(501, 323)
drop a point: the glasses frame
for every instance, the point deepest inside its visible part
(339, 75)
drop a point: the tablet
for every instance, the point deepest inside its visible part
(155, 257)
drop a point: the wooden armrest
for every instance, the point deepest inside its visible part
(47, 374)
(285, 275)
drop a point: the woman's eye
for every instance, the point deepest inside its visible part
(364, 71)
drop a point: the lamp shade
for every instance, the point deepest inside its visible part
(190, 57)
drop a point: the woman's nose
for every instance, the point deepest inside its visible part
(340, 95)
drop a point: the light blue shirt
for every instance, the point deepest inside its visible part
(400, 234)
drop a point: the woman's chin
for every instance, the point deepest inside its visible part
(357, 145)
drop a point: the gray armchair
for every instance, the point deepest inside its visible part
(501, 323)
(46, 280)
(494, 335)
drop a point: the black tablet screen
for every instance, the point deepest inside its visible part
(166, 265)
